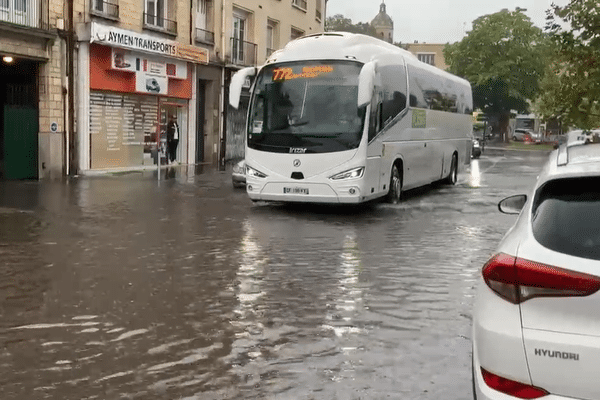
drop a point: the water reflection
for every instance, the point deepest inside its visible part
(474, 178)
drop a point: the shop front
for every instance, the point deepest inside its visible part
(140, 89)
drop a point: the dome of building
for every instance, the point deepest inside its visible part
(382, 20)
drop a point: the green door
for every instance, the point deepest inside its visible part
(20, 142)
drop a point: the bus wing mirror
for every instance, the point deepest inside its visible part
(366, 81)
(237, 82)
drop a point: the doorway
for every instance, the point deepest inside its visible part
(19, 120)
(168, 112)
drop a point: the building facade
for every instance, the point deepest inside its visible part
(32, 89)
(144, 63)
(252, 30)
(136, 68)
(90, 86)
(430, 53)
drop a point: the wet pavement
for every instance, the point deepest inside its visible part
(121, 287)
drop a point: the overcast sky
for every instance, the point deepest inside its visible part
(436, 21)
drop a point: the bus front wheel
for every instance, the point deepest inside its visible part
(453, 177)
(395, 192)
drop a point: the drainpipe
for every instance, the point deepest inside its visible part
(72, 165)
(220, 149)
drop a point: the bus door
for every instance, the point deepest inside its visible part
(374, 147)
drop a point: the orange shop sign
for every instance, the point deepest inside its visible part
(111, 36)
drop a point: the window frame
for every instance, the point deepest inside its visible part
(157, 17)
(297, 30)
(300, 5)
(426, 56)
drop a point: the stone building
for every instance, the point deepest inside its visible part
(90, 85)
(430, 53)
(383, 24)
(32, 89)
(151, 61)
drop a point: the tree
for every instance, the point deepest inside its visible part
(503, 58)
(339, 23)
(571, 88)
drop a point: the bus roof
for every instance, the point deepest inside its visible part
(335, 45)
(348, 46)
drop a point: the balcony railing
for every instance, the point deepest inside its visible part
(243, 53)
(28, 13)
(159, 23)
(105, 8)
(205, 36)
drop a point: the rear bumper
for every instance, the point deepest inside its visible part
(497, 342)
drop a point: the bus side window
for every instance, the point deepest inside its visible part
(375, 117)
(394, 95)
(417, 90)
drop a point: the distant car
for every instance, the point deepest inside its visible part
(477, 148)
(522, 135)
(535, 137)
(536, 331)
(238, 176)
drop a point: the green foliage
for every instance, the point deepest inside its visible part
(503, 58)
(571, 88)
(339, 23)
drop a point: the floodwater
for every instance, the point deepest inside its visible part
(122, 287)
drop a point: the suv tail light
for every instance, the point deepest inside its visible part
(517, 280)
(512, 388)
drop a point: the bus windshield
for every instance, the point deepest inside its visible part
(307, 107)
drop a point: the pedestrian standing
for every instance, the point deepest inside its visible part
(172, 139)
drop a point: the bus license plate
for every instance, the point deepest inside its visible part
(295, 190)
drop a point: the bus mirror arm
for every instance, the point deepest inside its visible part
(237, 82)
(366, 81)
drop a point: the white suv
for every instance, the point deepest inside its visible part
(536, 318)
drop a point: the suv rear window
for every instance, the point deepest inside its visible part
(566, 216)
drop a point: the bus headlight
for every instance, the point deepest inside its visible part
(350, 174)
(254, 173)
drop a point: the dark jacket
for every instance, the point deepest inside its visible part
(171, 131)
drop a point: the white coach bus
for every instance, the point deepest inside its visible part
(337, 117)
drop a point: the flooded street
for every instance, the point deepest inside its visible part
(119, 287)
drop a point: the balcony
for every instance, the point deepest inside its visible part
(318, 15)
(243, 53)
(159, 24)
(204, 36)
(25, 13)
(105, 9)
